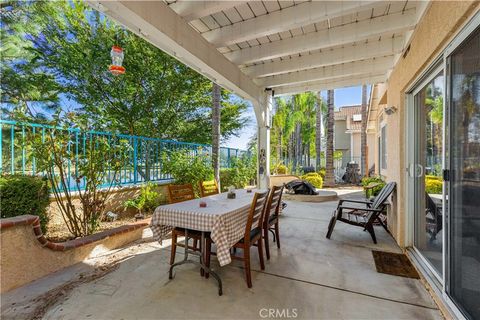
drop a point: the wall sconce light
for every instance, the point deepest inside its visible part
(390, 110)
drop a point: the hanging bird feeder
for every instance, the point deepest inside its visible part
(116, 67)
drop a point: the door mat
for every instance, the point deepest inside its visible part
(396, 264)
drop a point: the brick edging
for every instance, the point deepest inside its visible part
(70, 244)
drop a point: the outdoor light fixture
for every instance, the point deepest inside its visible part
(390, 110)
(116, 67)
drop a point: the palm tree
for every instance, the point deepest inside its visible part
(329, 174)
(279, 122)
(363, 137)
(216, 93)
(320, 112)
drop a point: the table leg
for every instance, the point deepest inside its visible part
(201, 264)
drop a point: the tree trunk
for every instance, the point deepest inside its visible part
(279, 150)
(216, 96)
(318, 133)
(329, 173)
(363, 165)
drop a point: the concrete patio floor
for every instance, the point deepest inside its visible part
(310, 277)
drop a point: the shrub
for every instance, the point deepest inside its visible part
(433, 184)
(314, 179)
(187, 169)
(430, 177)
(148, 199)
(96, 171)
(24, 195)
(321, 172)
(241, 172)
(371, 180)
(282, 169)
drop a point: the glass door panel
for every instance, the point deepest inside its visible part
(465, 176)
(428, 237)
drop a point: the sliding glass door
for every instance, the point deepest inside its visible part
(444, 171)
(428, 184)
(464, 191)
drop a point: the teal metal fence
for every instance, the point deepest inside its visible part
(144, 156)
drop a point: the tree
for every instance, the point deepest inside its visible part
(156, 97)
(321, 108)
(364, 133)
(216, 131)
(329, 173)
(26, 89)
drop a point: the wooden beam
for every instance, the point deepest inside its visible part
(354, 32)
(348, 53)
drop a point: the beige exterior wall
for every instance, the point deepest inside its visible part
(371, 149)
(115, 203)
(23, 259)
(342, 139)
(356, 146)
(441, 22)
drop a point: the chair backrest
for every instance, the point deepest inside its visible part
(179, 193)
(208, 188)
(273, 203)
(431, 206)
(383, 195)
(255, 216)
(379, 202)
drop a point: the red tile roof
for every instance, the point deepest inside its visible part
(346, 113)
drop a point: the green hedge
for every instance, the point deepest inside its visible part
(322, 172)
(314, 178)
(25, 195)
(433, 184)
(282, 169)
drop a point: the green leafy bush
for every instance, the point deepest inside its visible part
(430, 177)
(322, 172)
(281, 169)
(433, 184)
(95, 170)
(241, 172)
(185, 168)
(313, 178)
(366, 181)
(148, 199)
(24, 195)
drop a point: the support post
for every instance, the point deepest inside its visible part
(263, 113)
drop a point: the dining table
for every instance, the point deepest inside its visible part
(222, 218)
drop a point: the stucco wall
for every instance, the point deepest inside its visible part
(440, 23)
(115, 202)
(23, 259)
(372, 150)
(357, 146)
(342, 139)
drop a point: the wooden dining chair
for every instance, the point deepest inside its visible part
(209, 188)
(180, 193)
(270, 219)
(253, 234)
(176, 194)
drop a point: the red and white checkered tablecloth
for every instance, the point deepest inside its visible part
(224, 218)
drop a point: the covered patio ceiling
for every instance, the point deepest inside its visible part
(288, 46)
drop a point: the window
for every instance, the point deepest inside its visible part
(383, 147)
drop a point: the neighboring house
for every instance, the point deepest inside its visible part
(348, 125)
(377, 130)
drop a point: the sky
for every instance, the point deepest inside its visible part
(343, 97)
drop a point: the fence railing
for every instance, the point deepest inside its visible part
(144, 158)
